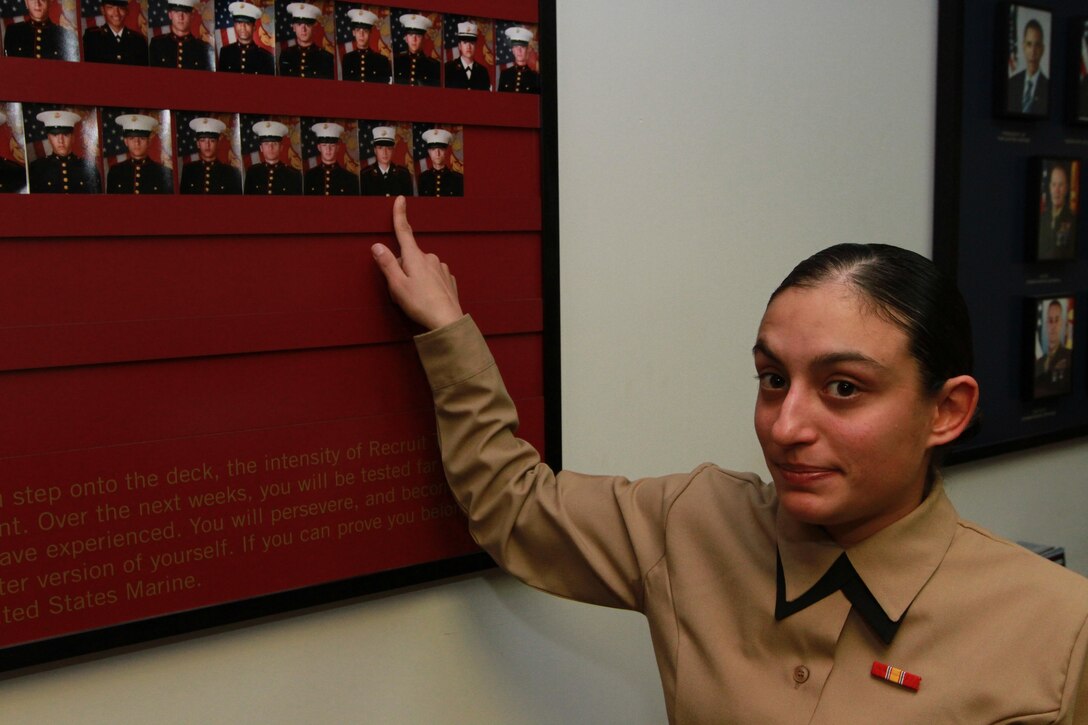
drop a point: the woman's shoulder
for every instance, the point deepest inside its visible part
(1016, 570)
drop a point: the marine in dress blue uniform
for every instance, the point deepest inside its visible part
(39, 37)
(521, 78)
(464, 71)
(115, 42)
(439, 180)
(414, 68)
(62, 172)
(329, 178)
(244, 55)
(362, 64)
(209, 175)
(305, 60)
(384, 178)
(271, 176)
(138, 174)
(179, 48)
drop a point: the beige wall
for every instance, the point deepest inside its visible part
(705, 147)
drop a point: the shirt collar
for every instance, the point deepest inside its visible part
(895, 563)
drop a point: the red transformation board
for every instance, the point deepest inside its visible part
(211, 410)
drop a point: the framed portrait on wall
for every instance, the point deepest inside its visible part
(1023, 61)
(363, 43)
(136, 149)
(44, 30)
(1054, 206)
(209, 152)
(385, 154)
(1050, 368)
(62, 149)
(271, 155)
(245, 36)
(180, 34)
(330, 157)
(113, 31)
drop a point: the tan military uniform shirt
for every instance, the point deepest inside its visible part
(996, 633)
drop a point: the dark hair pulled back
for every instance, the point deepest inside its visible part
(908, 291)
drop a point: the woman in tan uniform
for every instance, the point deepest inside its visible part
(847, 591)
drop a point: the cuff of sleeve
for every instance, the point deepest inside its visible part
(453, 353)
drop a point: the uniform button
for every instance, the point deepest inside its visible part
(800, 674)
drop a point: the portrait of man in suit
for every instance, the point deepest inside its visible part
(1028, 88)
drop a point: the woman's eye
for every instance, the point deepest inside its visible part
(771, 381)
(842, 389)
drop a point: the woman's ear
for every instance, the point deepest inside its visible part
(955, 409)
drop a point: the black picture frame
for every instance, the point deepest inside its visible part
(1053, 200)
(1077, 70)
(1050, 358)
(986, 216)
(1022, 61)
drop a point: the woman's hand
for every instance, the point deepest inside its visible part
(420, 283)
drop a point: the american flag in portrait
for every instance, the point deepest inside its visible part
(114, 150)
(455, 159)
(224, 24)
(136, 19)
(186, 136)
(402, 148)
(504, 53)
(158, 19)
(380, 40)
(84, 136)
(323, 28)
(348, 153)
(62, 12)
(432, 39)
(1042, 344)
(251, 142)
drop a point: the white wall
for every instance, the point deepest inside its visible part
(705, 148)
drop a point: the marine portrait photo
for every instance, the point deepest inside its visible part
(1056, 203)
(417, 47)
(364, 43)
(12, 150)
(137, 151)
(62, 149)
(271, 155)
(245, 36)
(1052, 358)
(209, 152)
(517, 57)
(181, 34)
(330, 157)
(439, 152)
(1023, 78)
(42, 29)
(305, 39)
(468, 52)
(113, 31)
(385, 152)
